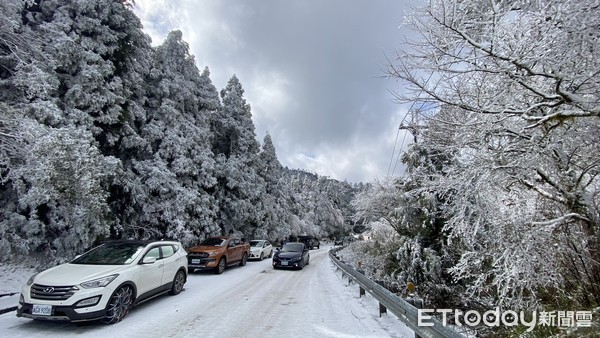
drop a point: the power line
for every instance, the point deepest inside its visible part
(410, 109)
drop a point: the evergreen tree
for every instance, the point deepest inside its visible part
(276, 211)
(53, 184)
(240, 188)
(168, 180)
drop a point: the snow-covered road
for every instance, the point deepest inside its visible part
(250, 301)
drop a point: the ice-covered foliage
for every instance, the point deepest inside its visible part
(167, 193)
(103, 136)
(320, 203)
(240, 188)
(374, 254)
(59, 203)
(275, 205)
(514, 135)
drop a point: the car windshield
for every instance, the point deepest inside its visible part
(213, 242)
(256, 243)
(111, 254)
(293, 247)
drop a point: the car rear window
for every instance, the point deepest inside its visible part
(295, 247)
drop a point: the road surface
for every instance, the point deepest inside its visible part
(250, 301)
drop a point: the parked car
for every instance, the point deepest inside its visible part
(338, 241)
(291, 255)
(216, 253)
(311, 242)
(260, 249)
(105, 282)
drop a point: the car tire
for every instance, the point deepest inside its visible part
(221, 266)
(178, 283)
(244, 259)
(118, 305)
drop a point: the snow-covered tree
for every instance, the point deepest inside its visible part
(276, 211)
(53, 179)
(54, 202)
(166, 184)
(240, 188)
(516, 95)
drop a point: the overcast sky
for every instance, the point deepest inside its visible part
(311, 71)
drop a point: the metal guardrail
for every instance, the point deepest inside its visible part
(9, 308)
(398, 306)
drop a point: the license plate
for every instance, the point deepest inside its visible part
(284, 263)
(41, 310)
(195, 261)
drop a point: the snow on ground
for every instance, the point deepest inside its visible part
(250, 301)
(12, 278)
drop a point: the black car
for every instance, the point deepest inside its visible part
(292, 255)
(311, 242)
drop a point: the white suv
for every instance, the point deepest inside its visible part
(105, 282)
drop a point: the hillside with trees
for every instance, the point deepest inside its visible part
(500, 203)
(104, 136)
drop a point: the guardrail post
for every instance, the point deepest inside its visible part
(361, 291)
(401, 308)
(382, 309)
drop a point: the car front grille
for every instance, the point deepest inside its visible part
(47, 292)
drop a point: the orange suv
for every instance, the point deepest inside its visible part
(216, 253)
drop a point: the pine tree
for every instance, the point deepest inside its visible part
(168, 181)
(240, 188)
(276, 211)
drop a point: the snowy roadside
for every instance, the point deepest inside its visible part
(13, 277)
(257, 300)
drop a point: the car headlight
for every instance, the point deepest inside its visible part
(212, 253)
(30, 280)
(99, 283)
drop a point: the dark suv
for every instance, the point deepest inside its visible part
(310, 242)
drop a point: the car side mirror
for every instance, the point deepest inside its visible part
(277, 249)
(149, 260)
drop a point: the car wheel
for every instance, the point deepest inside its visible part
(221, 267)
(261, 256)
(118, 305)
(244, 259)
(178, 283)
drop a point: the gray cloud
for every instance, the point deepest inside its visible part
(311, 70)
